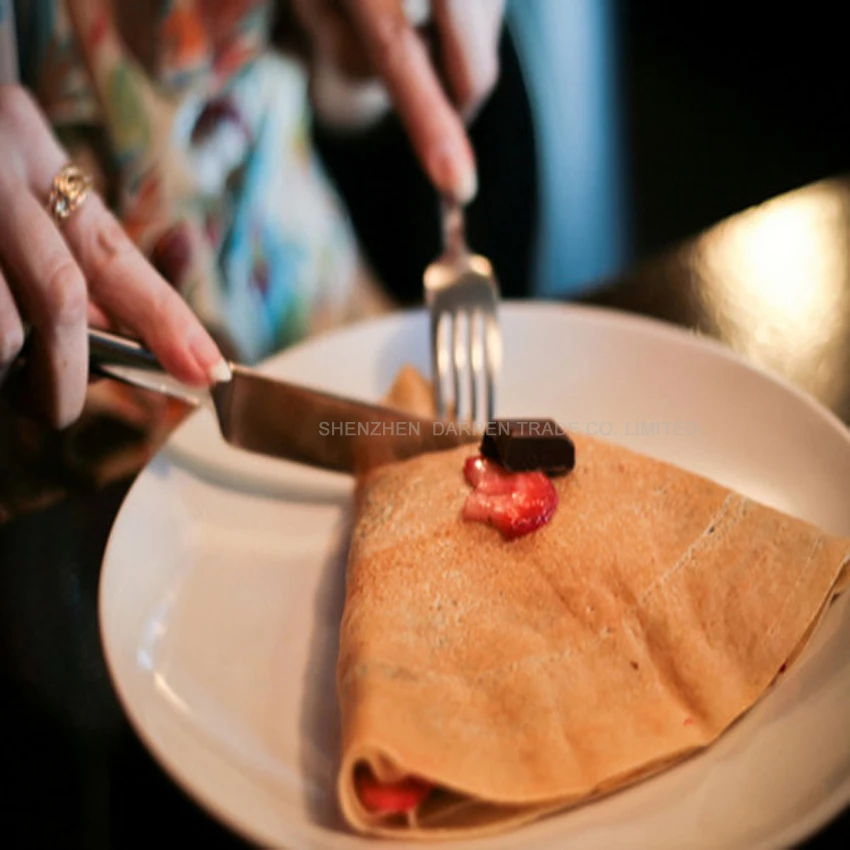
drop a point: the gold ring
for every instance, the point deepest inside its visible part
(68, 190)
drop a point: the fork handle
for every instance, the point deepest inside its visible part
(454, 227)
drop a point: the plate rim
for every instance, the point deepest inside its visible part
(803, 828)
(649, 325)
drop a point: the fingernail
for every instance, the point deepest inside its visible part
(209, 358)
(467, 187)
(454, 172)
(220, 372)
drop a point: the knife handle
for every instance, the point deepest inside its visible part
(127, 360)
(121, 359)
(107, 348)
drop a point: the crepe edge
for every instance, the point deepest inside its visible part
(507, 815)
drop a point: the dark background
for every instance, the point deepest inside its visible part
(729, 104)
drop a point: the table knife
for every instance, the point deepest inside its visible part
(284, 420)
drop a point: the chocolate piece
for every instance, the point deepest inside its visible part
(522, 445)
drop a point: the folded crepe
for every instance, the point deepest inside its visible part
(522, 677)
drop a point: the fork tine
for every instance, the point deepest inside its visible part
(458, 355)
(461, 292)
(476, 361)
(493, 354)
(439, 364)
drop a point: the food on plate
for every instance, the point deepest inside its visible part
(521, 445)
(485, 682)
(516, 503)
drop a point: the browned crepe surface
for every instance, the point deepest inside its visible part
(651, 612)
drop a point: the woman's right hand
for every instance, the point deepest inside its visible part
(362, 39)
(57, 281)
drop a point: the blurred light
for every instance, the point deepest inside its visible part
(776, 282)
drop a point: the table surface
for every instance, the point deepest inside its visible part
(772, 282)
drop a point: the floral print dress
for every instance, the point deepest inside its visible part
(198, 132)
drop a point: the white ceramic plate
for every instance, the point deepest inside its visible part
(222, 588)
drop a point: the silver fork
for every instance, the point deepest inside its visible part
(462, 297)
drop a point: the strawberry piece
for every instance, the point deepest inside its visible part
(516, 503)
(390, 798)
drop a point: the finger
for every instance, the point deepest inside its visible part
(97, 318)
(469, 41)
(11, 328)
(130, 290)
(120, 279)
(50, 291)
(434, 126)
